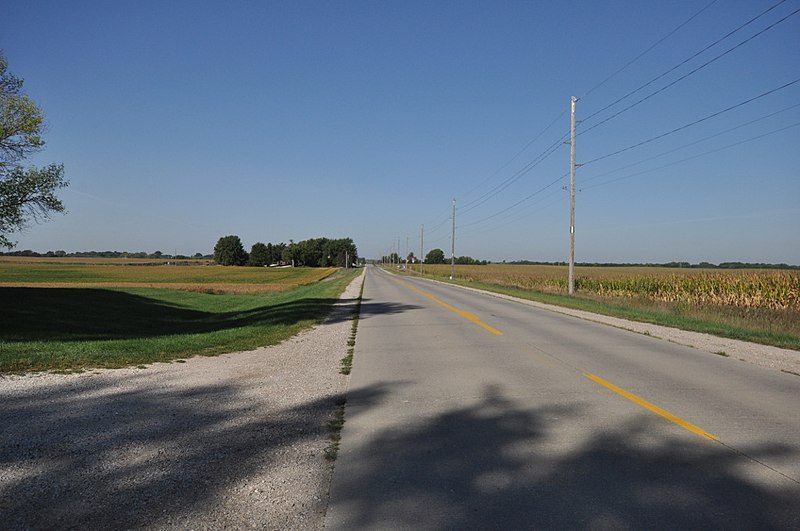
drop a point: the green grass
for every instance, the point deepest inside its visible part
(347, 361)
(335, 425)
(67, 329)
(762, 325)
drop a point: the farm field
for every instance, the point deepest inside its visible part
(72, 316)
(124, 273)
(753, 305)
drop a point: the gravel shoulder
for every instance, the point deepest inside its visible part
(233, 441)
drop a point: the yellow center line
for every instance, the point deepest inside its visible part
(655, 409)
(462, 313)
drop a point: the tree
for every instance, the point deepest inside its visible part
(229, 251)
(25, 194)
(259, 255)
(434, 256)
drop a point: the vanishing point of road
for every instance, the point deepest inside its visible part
(467, 411)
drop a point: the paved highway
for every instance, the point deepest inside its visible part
(466, 411)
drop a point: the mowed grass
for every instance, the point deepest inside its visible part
(761, 306)
(76, 328)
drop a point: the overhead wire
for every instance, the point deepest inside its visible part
(547, 152)
(662, 39)
(516, 176)
(520, 152)
(696, 54)
(690, 124)
(694, 143)
(729, 146)
(540, 190)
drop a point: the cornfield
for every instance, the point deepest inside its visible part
(777, 290)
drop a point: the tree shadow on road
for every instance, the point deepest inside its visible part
(496, 466)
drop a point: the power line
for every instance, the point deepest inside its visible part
(629, 63)
(517, 218)
(695, 156)
(662, 135)
(540, 190)
(704, 139)
(520, 152)
(516, 176)
(681, 78)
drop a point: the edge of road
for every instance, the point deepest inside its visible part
(784, 360)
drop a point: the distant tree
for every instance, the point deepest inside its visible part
(259, 255)
(277, 252)
(229, 251)
(25, 194)
(434, 256)
(198, 255)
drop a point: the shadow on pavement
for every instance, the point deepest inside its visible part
(495, 466)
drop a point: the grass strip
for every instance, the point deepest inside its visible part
(347, 361)
(335, 426)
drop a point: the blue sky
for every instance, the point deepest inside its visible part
(180, 122)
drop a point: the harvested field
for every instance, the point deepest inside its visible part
(210, 287)
(198, 278)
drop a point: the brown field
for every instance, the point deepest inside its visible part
(122, 273)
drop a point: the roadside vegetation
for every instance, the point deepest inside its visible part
(762, 306)
(68, 317)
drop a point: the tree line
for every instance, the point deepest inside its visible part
(315, 252)
(157, 255)
(434, 256)
(686, 265)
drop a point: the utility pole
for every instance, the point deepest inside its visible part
(406, 251)
(399, 261)
(453, 244)
(421, 247)
(572, 199)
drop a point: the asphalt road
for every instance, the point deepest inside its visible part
(466, 411)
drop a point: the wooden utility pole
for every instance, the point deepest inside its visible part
(421, 247)
(572, 199)
(453, 244)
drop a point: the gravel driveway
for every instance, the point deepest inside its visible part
(233, 441)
